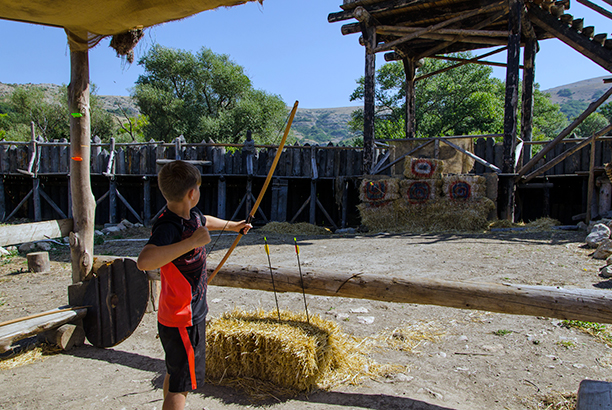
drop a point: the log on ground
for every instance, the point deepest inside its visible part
(570, 304)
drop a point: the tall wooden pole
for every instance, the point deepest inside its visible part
(410, 70)
(531, 45)
(511, 108)
(368, 29)
(83, 201)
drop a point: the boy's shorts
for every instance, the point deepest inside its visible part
(185, 355)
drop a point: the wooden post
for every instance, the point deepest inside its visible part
(344, 203)
(112, 201)
(83, 201)
(146, 193)
(410, 71)
(221, 197)
(511, 107)
(2, 199)
(36, 199)
(531, 46)
(368, 29)
(591, 184)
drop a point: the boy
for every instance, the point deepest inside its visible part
(177, 247)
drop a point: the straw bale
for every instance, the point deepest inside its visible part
(542, 224)
(420, 191)
(423, 168)
(300, 228)
(379, 190)
(464, 187)
(255, 351)
(379, 216)
(444, 215)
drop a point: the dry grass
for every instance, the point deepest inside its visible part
(270, 358)
(34, 354)
(407, 338)
(557, 401)
(301, 228)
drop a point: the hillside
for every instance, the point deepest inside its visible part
(322, 125)
(575, 97)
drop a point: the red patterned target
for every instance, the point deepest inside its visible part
(376, 191)
(423, 167)
(419, 192)
(459, 191)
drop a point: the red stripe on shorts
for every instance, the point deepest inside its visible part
(190, 356)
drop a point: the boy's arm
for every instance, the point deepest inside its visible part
(217, 224)
(153, 257)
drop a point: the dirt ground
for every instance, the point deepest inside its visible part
(474, 360)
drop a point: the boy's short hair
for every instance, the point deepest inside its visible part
(176, 178)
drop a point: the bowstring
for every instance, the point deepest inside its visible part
(279, 134)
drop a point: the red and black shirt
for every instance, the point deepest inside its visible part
(182, 302)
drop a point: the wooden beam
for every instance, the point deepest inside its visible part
(577, 41)
(478, 26)
(471, 155)
(590, 109)
(37, 231)
(464, 62)
(548, 301)
(591, 181)
(410, 73)
(565, 154)
(389, 45)
(478, 62)
(18, 329)
(595, 7)
(402, 30)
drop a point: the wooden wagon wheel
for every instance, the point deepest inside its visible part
(118, 298)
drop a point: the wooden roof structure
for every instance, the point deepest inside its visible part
(409, 30)
(426, 28)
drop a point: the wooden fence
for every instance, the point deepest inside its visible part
(317, 184)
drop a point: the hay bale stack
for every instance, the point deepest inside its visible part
(462, 188)
(419, 191)
(379, 190)
(291, 354)
(423, 168)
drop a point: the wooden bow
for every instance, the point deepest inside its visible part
(261, 193)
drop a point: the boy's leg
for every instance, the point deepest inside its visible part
(173, 401)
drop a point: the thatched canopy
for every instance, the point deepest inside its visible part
(105, 17)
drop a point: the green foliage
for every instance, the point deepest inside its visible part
(502, 332)
(203, 96)
(591, 124)
(565, 92)
(579, 324)
(463, 101)
(48, 110)
(132, 129)
(573, 108)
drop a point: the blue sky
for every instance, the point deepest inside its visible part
(286, 46)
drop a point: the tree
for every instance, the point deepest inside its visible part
(462, 101)
(203, 96)
(48, 110)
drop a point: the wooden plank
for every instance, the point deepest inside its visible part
(594, 395)
(578, 42)
(19, 329)
(548, 301)
(36, 231)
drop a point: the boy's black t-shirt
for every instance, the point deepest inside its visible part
(184, 280)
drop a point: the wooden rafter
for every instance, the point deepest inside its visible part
(463, 16)
(499, 50)
(478, 26)
(595, 7)
(577, 41)
(402, 30)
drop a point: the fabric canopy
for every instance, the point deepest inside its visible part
(105, 17)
